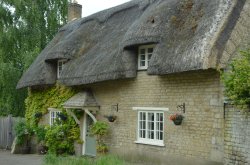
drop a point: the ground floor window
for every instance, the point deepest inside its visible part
(53, 115)
(150, 129)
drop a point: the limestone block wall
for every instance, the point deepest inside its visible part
(201, 133)
(237, 137)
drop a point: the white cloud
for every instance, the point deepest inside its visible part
(92, 6)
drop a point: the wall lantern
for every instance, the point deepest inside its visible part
(181, 108)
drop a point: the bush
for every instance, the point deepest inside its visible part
(40, 133)
(237, 80)
(23, 133)
(61, 136)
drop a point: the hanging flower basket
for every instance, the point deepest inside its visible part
(176, 118)
(111, 118)
(62, 116)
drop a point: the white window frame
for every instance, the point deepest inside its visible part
(60, 64)
(53, 115)
(148, 140)
(147, 54)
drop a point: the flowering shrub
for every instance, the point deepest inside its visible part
(176, 116)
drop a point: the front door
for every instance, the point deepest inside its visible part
(90, 140)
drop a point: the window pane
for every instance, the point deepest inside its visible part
(151, 126)
(144, 116)
(149, 57)
(142, 57)
(142, 51)
(142, 63)
(144, 134)
(150, 116)
(161, 136)
(159, 126)
(142, 125)
(150, 50)
(161, 117)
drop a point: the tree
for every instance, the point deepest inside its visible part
(237, 79)
(26, 26)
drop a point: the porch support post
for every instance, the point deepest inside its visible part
(74, 116)
(91, 115)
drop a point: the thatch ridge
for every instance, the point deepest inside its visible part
(103, 46)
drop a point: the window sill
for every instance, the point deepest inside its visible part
(150, 143)
(142, 69)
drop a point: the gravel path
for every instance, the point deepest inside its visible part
(6, 158)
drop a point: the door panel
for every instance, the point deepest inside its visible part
(90, 140)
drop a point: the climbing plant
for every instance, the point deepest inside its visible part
(100, 129)
(39, 100)
(60, 137)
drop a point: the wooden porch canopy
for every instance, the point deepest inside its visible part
(85, 101)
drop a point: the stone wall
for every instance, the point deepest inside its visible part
(237, 137)
(200, 137)
(239, 38)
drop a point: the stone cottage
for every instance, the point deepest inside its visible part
(142, 62)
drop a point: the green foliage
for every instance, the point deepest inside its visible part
(237, 80)
(41, 99)
(40, 133)
(11, 100)
(100, 129)
(61, 136)
(23, 133)
(26, 26)
(51, 159)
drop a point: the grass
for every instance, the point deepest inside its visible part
(72, 160)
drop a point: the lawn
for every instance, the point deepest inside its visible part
(72, 160)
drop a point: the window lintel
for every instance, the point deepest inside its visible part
(150, 109)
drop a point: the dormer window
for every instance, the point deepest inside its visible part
(60, 64)
(144, 56)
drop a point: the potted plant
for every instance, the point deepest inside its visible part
(23, 134)
(176, 118)
(40, 133)
(111, 118)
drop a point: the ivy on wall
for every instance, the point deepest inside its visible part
(61, 136)
(39, 100)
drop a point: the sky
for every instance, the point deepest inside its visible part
(92, 6)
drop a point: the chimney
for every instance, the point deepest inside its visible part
(74, 11)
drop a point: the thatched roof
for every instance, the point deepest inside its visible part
(188, 35)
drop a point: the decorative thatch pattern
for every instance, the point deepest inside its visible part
(104, 46)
